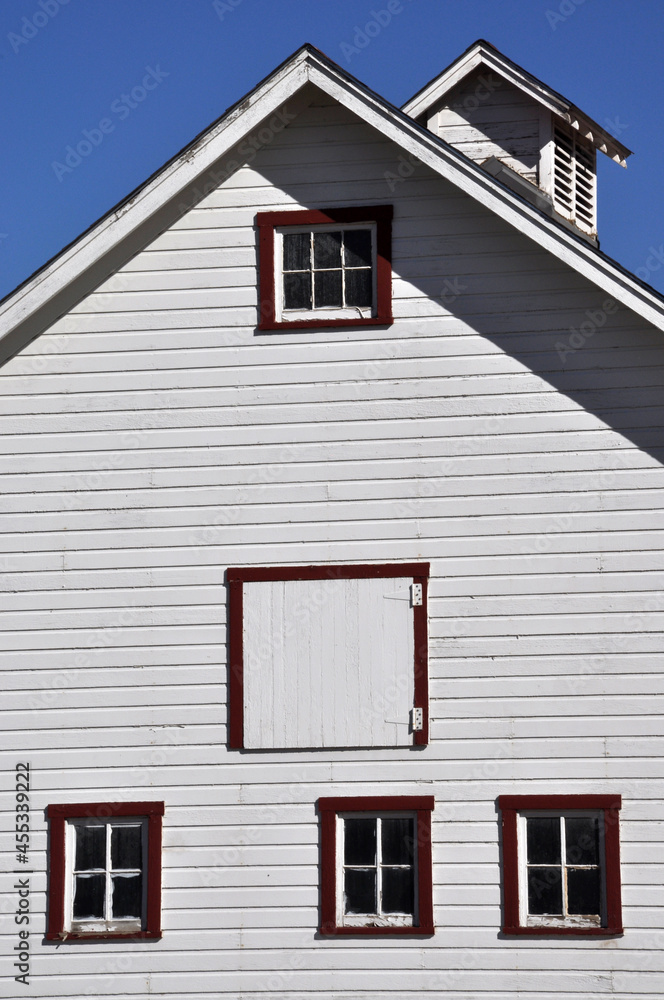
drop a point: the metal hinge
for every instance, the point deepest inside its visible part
(416, 595)
(417, 719)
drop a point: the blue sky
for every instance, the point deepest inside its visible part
(68, 65)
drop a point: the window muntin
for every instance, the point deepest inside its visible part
(107, 860)
(330, 272)
(561, 864)
(376, 872)
(104, 878)
(377, 869)
(562, 876)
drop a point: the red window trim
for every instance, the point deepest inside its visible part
(267, 222)
(236, 577)
(510, 806)
(328, 808)
(58, 816)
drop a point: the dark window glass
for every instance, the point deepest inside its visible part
(327, 249)
(339, 279)
(297, 251)
(397, 841)
(89, 897)
(582, 840)
(583, 890)
(90, 847)
(398, 890)
(360, 890)
(297, 291)
(126, 847)
(127, 895)
(543, 840)
(360, 841)
(357, 248)
(359, 290)
(545, 891)
(327, 288)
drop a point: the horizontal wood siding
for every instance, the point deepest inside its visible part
(486, 116)
(507, 427)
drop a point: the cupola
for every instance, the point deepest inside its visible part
(518, 129)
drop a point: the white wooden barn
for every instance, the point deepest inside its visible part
(333, 511)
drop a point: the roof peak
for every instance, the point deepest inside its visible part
(211, 157)
(484, 54)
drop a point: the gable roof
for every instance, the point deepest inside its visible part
(177, 186)
(482, 54)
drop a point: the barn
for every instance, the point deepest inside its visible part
(333, 545)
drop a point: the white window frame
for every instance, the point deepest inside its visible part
(527, 919)
(324, 312)
(377, 919)
(109, 925)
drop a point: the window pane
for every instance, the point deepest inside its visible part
(360, 890)
(127, 895)
(126, 847)
(89, 897)
(397, 841)
(357, 247)
(360, 841)
(297, 251)
(90, 847)
(398, 890)
(297, 291)
(583, 890)
(543, 840)
(582, 840)
(327, 249)
(359, 288)
(327, 288)
(545, 891)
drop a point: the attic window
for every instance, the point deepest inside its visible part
(574, 178)
(325, 268)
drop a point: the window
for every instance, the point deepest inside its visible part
(105, 870)
(376, 875)
(328, 656)
(325, 268)
(561, 864)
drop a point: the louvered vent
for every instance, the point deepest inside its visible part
(574, 178)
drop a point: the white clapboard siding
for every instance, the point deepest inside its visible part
(152, 438)
(502, 122)
(328, 663)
